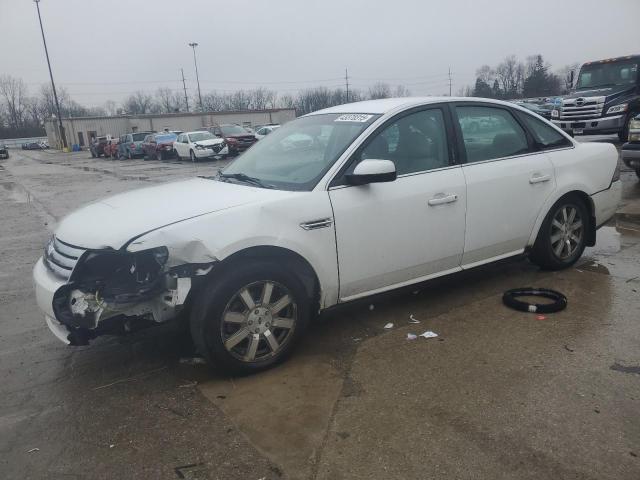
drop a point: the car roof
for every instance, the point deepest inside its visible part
(386, 105)
(195, 131)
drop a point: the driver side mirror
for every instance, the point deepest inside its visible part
(372, 171)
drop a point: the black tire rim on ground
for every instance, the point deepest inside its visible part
(510, 299)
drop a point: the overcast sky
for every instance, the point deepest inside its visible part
(109, 48)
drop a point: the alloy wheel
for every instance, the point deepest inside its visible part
(258, 321)
(567, 232)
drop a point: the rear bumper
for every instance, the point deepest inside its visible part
(611, 124)
(606, 202)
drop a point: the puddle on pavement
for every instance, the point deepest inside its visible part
(17, 193)
(603, 256)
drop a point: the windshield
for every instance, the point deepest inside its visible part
(138, 137)
(200, 136)
(233, 130)
(607, 74)
(297, 155)
(168, 137)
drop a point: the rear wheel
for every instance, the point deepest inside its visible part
(563, 234)
(251, 320)
(159, 155)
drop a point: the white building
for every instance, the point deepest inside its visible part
(80, 130)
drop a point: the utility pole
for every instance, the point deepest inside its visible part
(346, 81)
(449, 81)
(184, 85)
(53, 85)
(194, 45)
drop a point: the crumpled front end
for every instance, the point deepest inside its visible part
(87, 293)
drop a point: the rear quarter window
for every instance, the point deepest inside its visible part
(545, 136)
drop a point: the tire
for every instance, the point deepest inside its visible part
(192, 156)
(93, 155)
(177, 155)
(637, 171)
(228, 344)
(561, 240)
(159, 155)
(130, 156)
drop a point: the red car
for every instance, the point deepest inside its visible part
(111, 148)
(236, 137)
(158, 146)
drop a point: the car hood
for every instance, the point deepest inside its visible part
(113, 221)
(211, 141)
(609, 92)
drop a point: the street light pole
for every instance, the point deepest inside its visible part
(53, 85)
(193, 46)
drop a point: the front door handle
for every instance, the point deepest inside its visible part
(442, 198)
(539, 178)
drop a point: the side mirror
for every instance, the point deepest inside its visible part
(570, 78)
(372, 171)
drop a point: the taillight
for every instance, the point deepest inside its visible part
(133, 145)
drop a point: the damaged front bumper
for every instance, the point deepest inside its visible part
(109, 297)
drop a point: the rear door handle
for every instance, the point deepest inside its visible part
(539, 178)
(442, 198)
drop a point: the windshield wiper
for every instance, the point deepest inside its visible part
(243, 177)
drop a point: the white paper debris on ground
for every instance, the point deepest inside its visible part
(388, 325)
(371, 307)
(357, 339)
(429, 334)
(412, 319)
(111, 446)
(411, 336)
(33, 450)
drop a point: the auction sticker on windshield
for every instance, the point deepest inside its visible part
(353, 117)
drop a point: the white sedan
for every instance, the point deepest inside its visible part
(200, 144)
(265, 130)
(380, 194)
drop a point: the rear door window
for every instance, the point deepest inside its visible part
(490, 133)
(545, 136)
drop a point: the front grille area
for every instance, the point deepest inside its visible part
(584, 108)
(61, 257)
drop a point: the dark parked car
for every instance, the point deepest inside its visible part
(130, 145)
(237, 138)
(97, 146)
(158, 146)
(631, 149)
(4, 151)
(544, 110)
(32, 146)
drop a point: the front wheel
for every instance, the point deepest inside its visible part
(192, 155)
(563, 234)
(250, 320)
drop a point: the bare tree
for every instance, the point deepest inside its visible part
(14, 94)
(111, 108)
(139, 103)
(379, 90)
(401, 91)
(167, 100)
(511, 75)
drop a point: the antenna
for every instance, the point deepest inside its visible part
(449, 81)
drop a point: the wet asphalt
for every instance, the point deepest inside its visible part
(498, 394)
